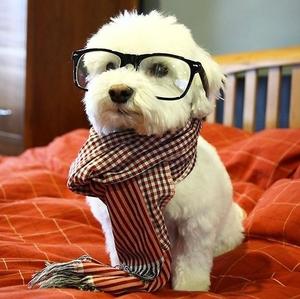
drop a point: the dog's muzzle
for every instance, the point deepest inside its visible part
(120, 93)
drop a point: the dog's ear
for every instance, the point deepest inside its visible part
(204, 91)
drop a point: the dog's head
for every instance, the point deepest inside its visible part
(151, 94)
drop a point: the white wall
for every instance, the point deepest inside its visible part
(223, 26)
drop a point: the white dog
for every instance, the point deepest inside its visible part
(201, 218)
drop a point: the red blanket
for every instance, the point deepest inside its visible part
(40, 219)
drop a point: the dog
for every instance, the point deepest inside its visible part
(202, 219)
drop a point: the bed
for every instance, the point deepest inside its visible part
(41, 220)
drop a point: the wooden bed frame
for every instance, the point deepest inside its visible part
(248, 67)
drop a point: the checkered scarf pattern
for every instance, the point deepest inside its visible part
(135, 177)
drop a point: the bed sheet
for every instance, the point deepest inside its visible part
(41, 220)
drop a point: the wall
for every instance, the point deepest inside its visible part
(224, 26)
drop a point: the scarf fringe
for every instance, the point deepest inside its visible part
(63, 275)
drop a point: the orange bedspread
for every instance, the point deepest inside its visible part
(41, 220)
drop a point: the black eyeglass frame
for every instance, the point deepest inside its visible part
(135, 60)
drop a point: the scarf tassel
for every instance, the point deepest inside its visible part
(64, 275)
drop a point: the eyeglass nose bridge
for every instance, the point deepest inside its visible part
(130, 59)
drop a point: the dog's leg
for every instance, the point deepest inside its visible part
(100, 212)
(231, 234)
(192, 256)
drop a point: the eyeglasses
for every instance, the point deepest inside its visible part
(170, 76)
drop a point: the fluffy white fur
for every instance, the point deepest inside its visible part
(202, 219)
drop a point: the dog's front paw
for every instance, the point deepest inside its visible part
(189, 280)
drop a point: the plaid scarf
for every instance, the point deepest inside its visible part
(135, 177)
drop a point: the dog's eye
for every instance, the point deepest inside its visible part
(110, 66)
(158, 70)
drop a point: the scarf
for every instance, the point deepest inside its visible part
(135, 176)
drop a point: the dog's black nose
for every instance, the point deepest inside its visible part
(120, 93)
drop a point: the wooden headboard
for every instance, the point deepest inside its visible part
(262, 89)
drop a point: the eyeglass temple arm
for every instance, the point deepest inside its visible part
(204, 79)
